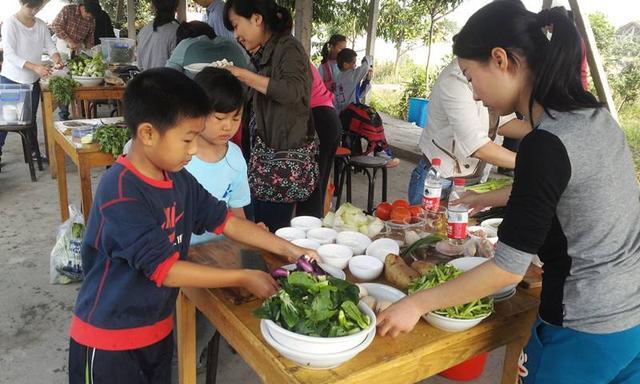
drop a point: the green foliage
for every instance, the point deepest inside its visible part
(62, 89)
(144, 14)
(630, 120)
(112, 138)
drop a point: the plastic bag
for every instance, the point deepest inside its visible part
(65, 260)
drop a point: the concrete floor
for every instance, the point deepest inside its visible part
(34, 315)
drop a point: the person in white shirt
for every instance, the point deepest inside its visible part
(460, 132)
(24, 38)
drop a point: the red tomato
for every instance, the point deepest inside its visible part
(415, 210)
(400, 203)
(383, 211)
(400, 214)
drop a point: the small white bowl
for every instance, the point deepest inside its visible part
(335, 255)
(313, 360)
(306, 243)
(492, 223)
(322, 345)
(322, 235)
(87, 81)
(332, 271)
(468, 263)
(289, 233)
(452, 325)
(306, 222)
(491, 233)
(354, 240)
(365, 268)
(382, 247)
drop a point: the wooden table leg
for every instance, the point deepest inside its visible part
(511, 358)
(84, 170)
(63, 196)
(186, 324)
(47, 126)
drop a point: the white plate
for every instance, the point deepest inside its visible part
(333, 271)
(382, 247)
(383, 292)
(505, 296)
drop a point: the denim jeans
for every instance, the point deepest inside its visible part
(35, 101)
(416, 183)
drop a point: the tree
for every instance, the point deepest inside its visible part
(401, 23)
(436, 10)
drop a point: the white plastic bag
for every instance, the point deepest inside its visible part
(65, 261)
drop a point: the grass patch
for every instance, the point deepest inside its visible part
(630, 121)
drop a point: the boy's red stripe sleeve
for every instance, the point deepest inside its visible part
(220, 228)
(162, 270)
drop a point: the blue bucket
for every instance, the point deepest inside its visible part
(418, 111)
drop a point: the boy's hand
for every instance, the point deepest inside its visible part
(296, 252)
(260, 284)
(370, 75)
(399, 317)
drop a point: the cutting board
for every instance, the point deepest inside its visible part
(228, 254)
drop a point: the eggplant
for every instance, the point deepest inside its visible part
(305, 265)
(317, 269)
(280, 272)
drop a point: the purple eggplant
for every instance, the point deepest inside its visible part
(280, 272)
(317, 269)
(305, 265)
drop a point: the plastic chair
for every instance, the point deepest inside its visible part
(25, 132)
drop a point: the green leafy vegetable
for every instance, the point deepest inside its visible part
(442, 273)
(77, 230)
(315, 306)
(112, 138)
(87, 66)
(491, 185)
(62, 89)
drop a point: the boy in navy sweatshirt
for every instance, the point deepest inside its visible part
(138, 234)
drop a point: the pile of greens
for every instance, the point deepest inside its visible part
(491, 185)
(112, 138)
(442, 273)
(315, 306)
(62, 89)
(87, 66)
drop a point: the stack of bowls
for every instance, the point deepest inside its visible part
(335, 255)
(319, 352)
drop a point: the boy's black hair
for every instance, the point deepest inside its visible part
(162, 97)
(225, 92)
(190, 29)
(32, 3)
(345, 56)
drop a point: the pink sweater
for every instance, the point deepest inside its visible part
(320, 95)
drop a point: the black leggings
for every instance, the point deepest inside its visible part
(329, 131)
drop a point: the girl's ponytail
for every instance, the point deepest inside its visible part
(557, 83)
(325, 52)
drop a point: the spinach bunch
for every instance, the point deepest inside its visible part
(315, 306)
(62, 89)
(112, 138)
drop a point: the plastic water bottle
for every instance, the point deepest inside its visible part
(432, 187)
(457, 215)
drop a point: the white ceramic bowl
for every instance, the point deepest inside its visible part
(382, 247)
(491, 233)
(86, 81)
(322, 235)
(365, 268)
(452, 325)
(354, 240)
(306, 222)
(321, 345)
(313, 360)
(333, 271)
(383, 292)
(468, 263)
(335, 255)
(290, 234)
(492, 223)
(306, 243)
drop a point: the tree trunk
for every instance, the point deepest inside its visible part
(304, 15)
(398, 55)
(428, 55)
(119, 11)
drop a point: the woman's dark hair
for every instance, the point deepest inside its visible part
(333, 41)
(194, 29)
(32, 3)
(345, 56)
(555, 64)
(275, 18)
(224, 91)
(165, 12)
(162, 97)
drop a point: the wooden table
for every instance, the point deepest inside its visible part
(85, 157)
(81, 94)
(409, 358)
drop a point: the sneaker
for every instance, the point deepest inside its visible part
(391, 161)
